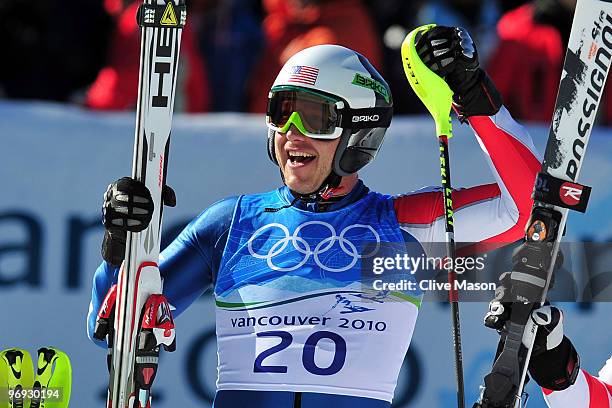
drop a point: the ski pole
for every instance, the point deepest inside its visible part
(438, 98)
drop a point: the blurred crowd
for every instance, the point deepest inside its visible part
(86, 51)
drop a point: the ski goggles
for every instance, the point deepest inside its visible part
(317, 115)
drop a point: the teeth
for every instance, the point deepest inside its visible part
(301, 154)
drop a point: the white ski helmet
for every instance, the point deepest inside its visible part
(361, 103)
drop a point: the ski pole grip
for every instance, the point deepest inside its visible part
(431, 89)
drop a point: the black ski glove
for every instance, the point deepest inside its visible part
(451, 53)
(127, 207)
(554, 362)
(500, 306)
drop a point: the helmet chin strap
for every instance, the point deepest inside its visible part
(325, 191)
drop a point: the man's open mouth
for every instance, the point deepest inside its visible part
(300, 157)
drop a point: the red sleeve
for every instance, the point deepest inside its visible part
(490, 213)
(586, 392)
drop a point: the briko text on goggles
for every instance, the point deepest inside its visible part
(319, 115)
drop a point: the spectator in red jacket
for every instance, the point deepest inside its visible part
(293, 25)
(116, 87)
(527, 64)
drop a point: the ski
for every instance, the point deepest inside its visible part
(556, 191)
(135, 317)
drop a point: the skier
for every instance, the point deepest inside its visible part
(296, 324)
(555, 364)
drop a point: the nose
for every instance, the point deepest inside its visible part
(293, 134)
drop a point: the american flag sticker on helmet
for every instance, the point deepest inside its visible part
(303, 74)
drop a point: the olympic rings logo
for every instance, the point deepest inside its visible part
(303, 247)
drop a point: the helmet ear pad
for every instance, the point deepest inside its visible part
(341, 153)
(356, 150)
(270, 142)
